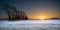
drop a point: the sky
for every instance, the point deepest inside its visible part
(35, 9)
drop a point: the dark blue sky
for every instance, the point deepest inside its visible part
(33, 8)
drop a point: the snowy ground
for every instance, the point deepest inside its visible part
(30, 25)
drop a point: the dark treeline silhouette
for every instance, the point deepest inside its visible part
(55, 18)
(14, 14)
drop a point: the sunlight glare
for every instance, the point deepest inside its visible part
(42, 18)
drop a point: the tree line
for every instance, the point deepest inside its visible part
(14, 14)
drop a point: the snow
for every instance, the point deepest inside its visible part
(30, 24)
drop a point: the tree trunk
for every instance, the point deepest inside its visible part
(9, 17)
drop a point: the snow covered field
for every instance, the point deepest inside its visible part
(30, 25)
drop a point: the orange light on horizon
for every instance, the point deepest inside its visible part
(42, 17)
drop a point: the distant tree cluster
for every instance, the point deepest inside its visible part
(13, 13)
(55, 18)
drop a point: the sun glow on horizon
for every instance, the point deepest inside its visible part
(42, 17)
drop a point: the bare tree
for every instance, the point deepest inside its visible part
(18, 15)
(13, 13)
(7, 7)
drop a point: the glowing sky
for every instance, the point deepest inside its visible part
(33, 8)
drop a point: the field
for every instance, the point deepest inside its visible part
(30, 25)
